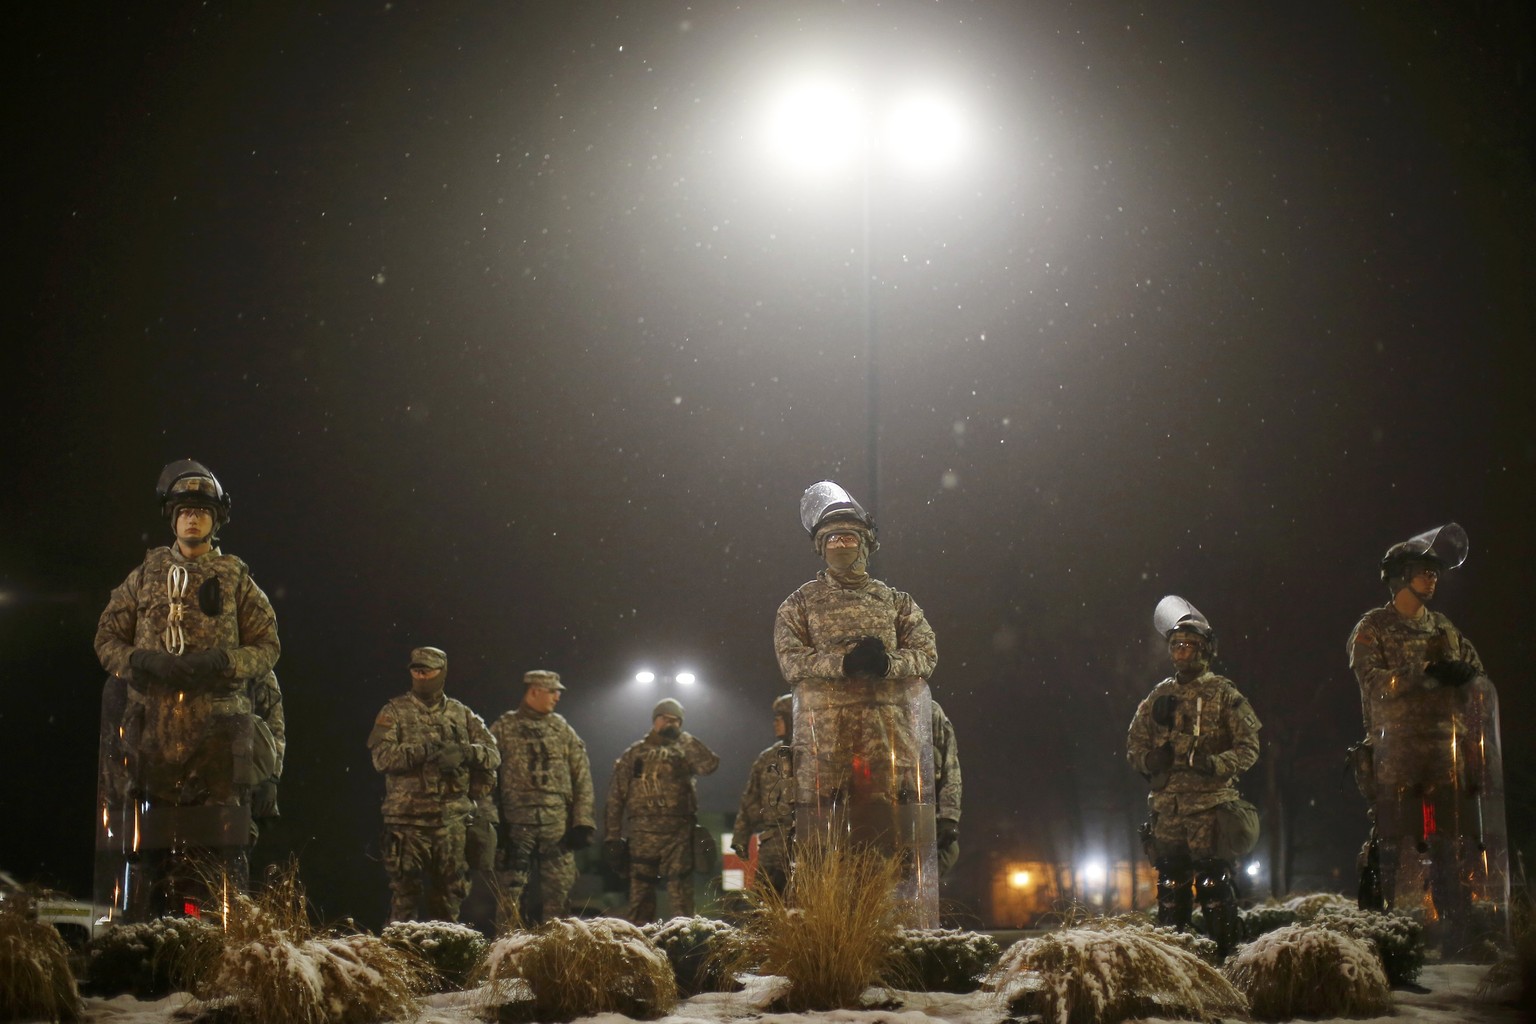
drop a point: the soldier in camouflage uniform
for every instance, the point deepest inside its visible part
(1414, 668)
(653, 786)
(185, 634)
(427, 744)
(1191, 737)
(946, 788)
(545, 796)
(768, 803)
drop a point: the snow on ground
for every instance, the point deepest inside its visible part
(1451, 999)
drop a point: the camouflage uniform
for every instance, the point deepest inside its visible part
(819, 623)
(544, 790)
(768, 808)
(191, 742)
(946, 781)
(1408, 759)
(1197, 813)
(653, 784)
(426, 807)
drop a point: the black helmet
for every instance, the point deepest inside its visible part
(1444, 548)
(187, 482)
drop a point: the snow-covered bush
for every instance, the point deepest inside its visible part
(833, 936)
(697, 947)
(1201, 945)
(274, 967)
(570, 968)
(1103, 975)
(1306, 970)
(946, 959)
(150, 959)
(1265, 918)
(453, 951)
(1397, 938)
(1309, 905)
(35, 981)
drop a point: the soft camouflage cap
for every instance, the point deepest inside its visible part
(666, 706)
(544, 679)
(428, 657)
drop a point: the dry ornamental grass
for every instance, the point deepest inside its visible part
(1106, 974)
(834, 936)
(35, 981)
(575, 968)
(1310, 971)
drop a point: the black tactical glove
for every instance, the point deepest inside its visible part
(160, 664)
(949, 833)
(1205, 764)
(578, 837)
(1163, 710)
(616, 855)
(449, 756)
(1451, 673)
(867, 658)
(212, 662)
(1159, 760)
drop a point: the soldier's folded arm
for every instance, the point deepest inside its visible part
(792, 646)
(117, 626)
(482, 749)
(701, 759)
(1368, 661)
(917, 652)
(259, 648)
(583, 800)
(389, 754)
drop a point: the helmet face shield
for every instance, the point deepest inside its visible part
(1444, 544)
(188, 482)
(1173, 612)
(826, 499)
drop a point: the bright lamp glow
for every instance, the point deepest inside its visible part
(923, 132)
(645, 676)
(685, 678)
(816, 125)
(1018, 879)
(1253, 869)
(1095, 872)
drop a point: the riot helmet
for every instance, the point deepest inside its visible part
(826, 505)
(1443, 548)
(1173, 615)
(188, 482)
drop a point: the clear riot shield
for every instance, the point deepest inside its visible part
(863, 754)
(1440, 813)
(172, 815)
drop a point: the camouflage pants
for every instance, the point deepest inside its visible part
(1226, 833)
(656, 857)
(526, 847)
(428, 874)
(773, 856)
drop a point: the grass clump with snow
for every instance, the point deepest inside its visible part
(149, 959)
(453, 951)
(833, 935)
(947, 959)
(1105, 974)
(35, 980)
(570, 967)
(1397, 938)
(1306, 970)
(697, 948)
(276, 967)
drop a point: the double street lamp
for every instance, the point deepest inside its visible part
(837, 128)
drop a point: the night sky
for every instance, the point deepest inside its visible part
(507, 336)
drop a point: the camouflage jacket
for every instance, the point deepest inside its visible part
(653, 783)
(768, 802)
(946, 765)
(1211, 719)
(219, 605)
(820, 622)
(545, 777)
(406, 739)
(1388, 653)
